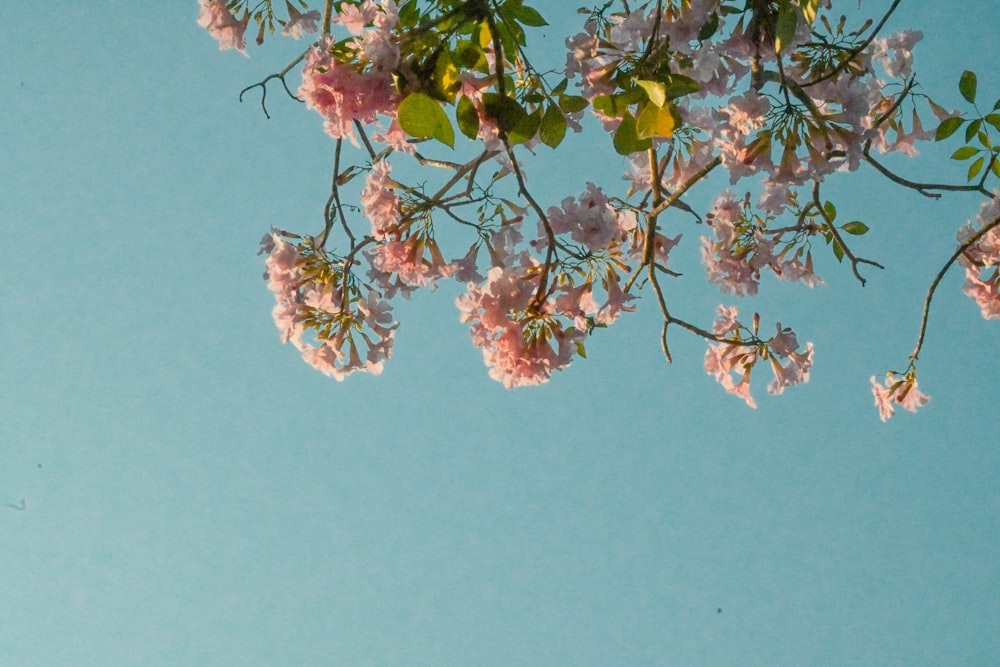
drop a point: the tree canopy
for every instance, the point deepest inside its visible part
(777, 94)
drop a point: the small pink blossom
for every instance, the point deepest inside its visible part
(356, 17)
(223, 26)
(895, 52)
(379, 201)
(897, 391)
(300, 23)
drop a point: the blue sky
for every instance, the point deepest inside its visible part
(195, 495)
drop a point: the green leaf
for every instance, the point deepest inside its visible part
(976, 167)
(855, 227)
(788, 22)
(655, 91)
(525, 128)
(446, 76)
(469, 55)
(467, 117)
(830, 210)
(967, 86)
(617, 105)
(529, 16)
(627, 139)
(971, 130)
(607, 105)
(964, 153)
(709, 28)
(581, 350)
(996, 166)
(656, 122)
(505, 111)
(421, 116)
(679, 85)
(838, 250)
(948, 127)
(994, 120)
(553, 127)
(572, 103)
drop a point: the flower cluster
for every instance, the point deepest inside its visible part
(774, 93)
(313, 294)
(743, 247)
(981, 259)
(352, 81)
(742, 349)
(590, 221)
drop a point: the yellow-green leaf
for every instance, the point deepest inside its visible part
(788, 22)
(553, 127)
(809, 8)
(655, 91)
(422, 117)
(626, 139)
(467, 117)
(654, 121)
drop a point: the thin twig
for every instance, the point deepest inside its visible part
(844, 64)
(281, 77)
(840, 240)
(971, 241)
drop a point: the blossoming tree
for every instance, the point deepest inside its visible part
(779, 94)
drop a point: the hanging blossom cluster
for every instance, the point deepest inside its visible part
(743, 349)
(743, 247)
(353, 82)
(776, 94)
(353, 332)
(981, 259)
(530, 319)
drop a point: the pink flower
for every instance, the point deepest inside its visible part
(223, 26)
(748, 112)
(354, 17)
(900, 391)
(299, 23)
(894, 52)
(616, 302)
(794, 372)
(726, 358)
(592, 222)
(982, 260)
(378, 200)
(342, 94)
(736, 357)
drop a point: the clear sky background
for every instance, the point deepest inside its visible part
(196, 495)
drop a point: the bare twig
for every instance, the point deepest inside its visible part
(262, 84)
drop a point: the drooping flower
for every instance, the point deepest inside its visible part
(223, 26)
(901, 391)
(300, 23)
